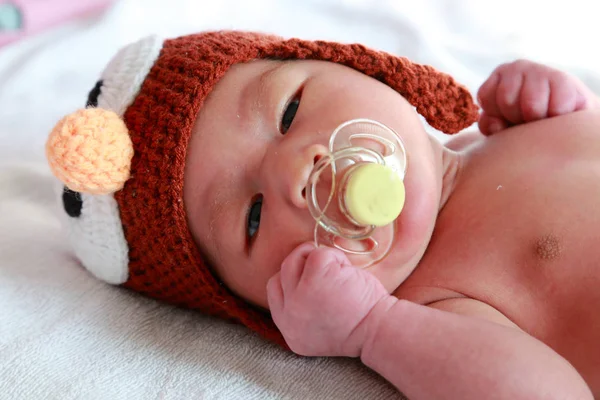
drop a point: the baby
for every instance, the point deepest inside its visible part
(491, 288)
(196, 151)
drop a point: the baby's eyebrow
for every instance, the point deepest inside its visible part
(250, 98)
(267, 76)
(265, 81)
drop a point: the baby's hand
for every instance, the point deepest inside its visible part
(524, 91)
(321, 304)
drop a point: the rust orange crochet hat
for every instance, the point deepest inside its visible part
(121, 159)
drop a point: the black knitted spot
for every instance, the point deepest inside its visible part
(72, 202)
(92, 100)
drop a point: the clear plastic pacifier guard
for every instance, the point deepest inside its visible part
(356, 192)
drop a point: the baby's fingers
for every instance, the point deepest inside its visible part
(499, 97)
(275, 296)
(486, 95)
(293, 265)
(322, 264)
(508, 95)
(535, 95)
(564, 94)
(489, 125)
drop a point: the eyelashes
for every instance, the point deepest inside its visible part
(289, 114)
(254, 213)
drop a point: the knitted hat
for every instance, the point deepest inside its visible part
(121, 160)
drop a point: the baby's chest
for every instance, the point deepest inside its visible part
(522, 233)
(543, 275)
(545, 281)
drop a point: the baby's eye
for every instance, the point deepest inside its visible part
(254, 217)
(289, 114)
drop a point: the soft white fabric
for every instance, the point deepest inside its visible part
(64, 334)
(97, 237)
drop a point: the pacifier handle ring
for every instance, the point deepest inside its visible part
(387, 143)
(313, 205)
(372, 136)
(352, 252)
(358, 252)
(358, 121)
(344, 249)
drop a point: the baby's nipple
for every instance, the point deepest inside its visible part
(356, 192)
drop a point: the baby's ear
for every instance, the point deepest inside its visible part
(445, 104)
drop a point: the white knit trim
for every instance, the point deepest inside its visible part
(124, 75)
(97, 237)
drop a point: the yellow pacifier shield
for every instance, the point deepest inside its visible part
(374, 195)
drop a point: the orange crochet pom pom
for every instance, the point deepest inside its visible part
(90, 151)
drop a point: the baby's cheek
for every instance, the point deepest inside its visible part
(391, 275)
(253, 286)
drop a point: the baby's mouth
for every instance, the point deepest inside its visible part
(356, 192)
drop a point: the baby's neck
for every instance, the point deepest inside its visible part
(451, 163)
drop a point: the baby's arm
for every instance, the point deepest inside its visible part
(325, 307)
(434, 354)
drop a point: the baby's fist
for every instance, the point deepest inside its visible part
(524, 91)
(322, 304)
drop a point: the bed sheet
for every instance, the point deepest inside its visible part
(64, 335)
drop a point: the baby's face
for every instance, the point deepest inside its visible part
(255, 142)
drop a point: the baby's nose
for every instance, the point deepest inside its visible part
(300, 172)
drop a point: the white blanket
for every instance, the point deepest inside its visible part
(63, 334)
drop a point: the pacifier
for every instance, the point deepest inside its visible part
(356, 191)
